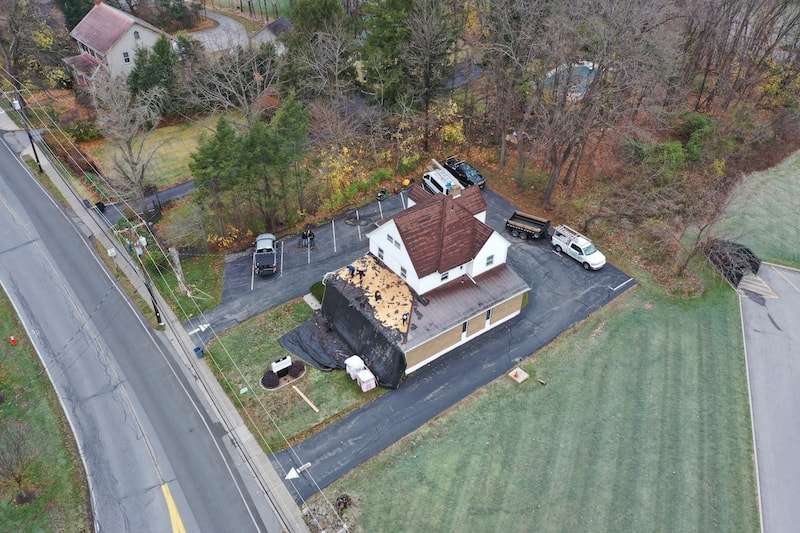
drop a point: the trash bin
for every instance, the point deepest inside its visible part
(199, 352)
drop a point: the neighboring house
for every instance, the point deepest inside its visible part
(459, 285)
(108, 38)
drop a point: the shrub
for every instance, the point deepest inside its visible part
(297, 368)
(380, 175)
(634, 150)
(666, 159)
(407, 164)
(83, 131)
(696, 128)
(270, 380)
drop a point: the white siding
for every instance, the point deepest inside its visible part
(115, 58)
(495, 246)
(394, 258)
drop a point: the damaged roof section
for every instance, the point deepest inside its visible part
(441, 232)
(388, 295)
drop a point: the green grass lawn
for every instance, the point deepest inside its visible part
(203, 276)
(643, 425)
(763, 213)
(253, 345)
(54, 471)
(175, 146)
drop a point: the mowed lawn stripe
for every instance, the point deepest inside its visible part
(642, 426)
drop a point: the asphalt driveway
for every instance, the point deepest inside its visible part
(772, 338)
(562, 294)
(228, 33)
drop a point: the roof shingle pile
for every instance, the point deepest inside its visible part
(440, 232)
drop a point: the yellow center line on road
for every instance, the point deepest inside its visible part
(174, 515)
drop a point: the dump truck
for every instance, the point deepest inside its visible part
(527, 226)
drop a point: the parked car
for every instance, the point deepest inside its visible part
(465, 173)
(578, 247)
(264, 258)
(439, 180)
(527, 226)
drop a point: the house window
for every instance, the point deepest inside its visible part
(488, 314)
(464, 327)
(126, 57)
(397, 244)
(380, 253)
(490, 260)
(389, 238)
(136, 35)
(445, 276)
(403, 272)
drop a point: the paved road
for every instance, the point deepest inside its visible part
(138, 425)
(113, 212)
(227, 34)
(772, 336)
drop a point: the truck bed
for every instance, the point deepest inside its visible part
(527, 222)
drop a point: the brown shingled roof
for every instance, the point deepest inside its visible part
(441, 233)
(470, 198)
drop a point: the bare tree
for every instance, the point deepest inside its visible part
(326, 62)
(16, 455)
(237, 79)
(128, 121)
(428, 54)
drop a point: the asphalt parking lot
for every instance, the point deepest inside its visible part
(772, 340)
(336, 244)
(562, 294)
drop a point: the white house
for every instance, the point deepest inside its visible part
(438, 239)
(455, 267)
(108, 38)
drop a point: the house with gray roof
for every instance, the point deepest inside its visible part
(108, 38)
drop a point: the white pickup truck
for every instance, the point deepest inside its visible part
(578, 247)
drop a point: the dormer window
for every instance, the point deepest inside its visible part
(136, 35)
(445, 276)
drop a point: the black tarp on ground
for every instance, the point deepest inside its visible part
(317, 344)
(731, 259)
(345, 308)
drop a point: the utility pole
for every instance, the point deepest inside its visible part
(19, 105)
(138, 246)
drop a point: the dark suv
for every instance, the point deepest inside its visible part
(465, 173)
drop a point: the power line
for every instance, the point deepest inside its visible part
(145, 273)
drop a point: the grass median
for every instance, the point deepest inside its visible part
(643, 425)
(42, 462)
(252, 346)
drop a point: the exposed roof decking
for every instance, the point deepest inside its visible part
(460, 300)
(83, 63)
(396, 298)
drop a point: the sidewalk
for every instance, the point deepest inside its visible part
(263, 482)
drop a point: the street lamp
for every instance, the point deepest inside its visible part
(19, 108)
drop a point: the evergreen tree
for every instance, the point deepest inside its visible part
(383, 53)
(154, 68)
(75, 10)
(215, 165)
